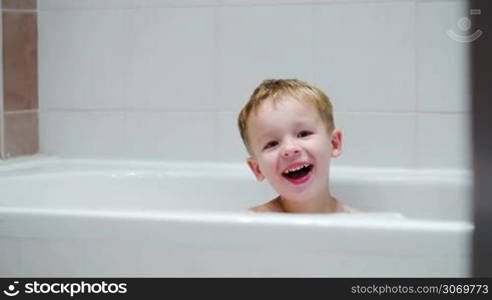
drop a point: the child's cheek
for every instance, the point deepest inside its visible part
(271, 160)
(266, 159)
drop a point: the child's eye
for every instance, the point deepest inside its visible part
(304, 133)
(270, 144)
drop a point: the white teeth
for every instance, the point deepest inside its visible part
(296, 169)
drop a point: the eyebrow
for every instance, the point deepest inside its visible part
(269, 133)
(265, 137)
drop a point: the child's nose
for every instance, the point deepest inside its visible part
(290, 150)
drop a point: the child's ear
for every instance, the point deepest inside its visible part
(253, 165)
(336, 143)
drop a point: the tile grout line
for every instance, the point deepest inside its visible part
(219, 4)
(19, 11)
(19, 112)
(313, 25)
(222, 3)
(217, 13)
(415, 151)
(152, 110)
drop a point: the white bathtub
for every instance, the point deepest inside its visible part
(87, 218)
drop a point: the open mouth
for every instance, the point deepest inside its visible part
(298, 175)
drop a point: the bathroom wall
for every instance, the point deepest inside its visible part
(165, 79)
(1, 94)
(19, 79)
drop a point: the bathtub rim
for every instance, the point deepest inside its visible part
(33, 165)
(48, 167)
(377, 221)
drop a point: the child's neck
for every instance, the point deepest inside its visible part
(324, 203)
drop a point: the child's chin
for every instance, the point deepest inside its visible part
(300, 193)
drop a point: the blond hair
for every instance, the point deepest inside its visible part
(274, 89)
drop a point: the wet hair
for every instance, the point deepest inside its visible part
(274, 90)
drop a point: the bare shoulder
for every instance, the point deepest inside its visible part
(350, 210)
(271, 206)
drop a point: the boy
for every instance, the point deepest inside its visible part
(288, 129)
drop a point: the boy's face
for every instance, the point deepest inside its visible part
(287, 136)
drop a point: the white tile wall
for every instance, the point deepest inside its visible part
(364, 55)
(132, 4)
(230, 144)
(260, 42)
(443, 140)
(442, 63)
(172, 63)
(171, 135)
(377, 139)
(1, 94)
(1, 68)
(119, 4)
(165, 80)
(82, 133)
(127, 65)
(84, 58)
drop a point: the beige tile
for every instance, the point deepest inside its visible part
(21, 133)
(20, 61)
(19, 4)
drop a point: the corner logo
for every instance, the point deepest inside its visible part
(464, 24)
(11, 290)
